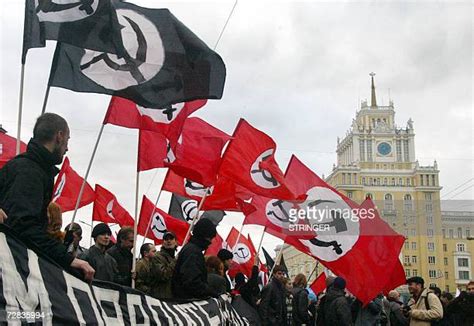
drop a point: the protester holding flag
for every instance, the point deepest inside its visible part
(300, 301)
(190, 275)
(144, 279)
(105, 265)
(272, 307)
(162, 267)
(26, 189)
(122, 253)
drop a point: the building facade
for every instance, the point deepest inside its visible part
(376, 158)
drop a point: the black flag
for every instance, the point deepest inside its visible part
(185, 209)
(283, 265)
(268, 259)
(90, 24)
(163, 62)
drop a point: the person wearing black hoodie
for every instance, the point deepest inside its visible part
(272, 308)
(190, 275)
(337, 311)
(26, 189)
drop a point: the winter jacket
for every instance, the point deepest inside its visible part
(144, 279)
(217, 283)
(300, 306)
(190, 275)
(395, 314)
(419, 314)
(124, 259)
(104, 265)
(250, 290)
(370, 314)
(337, 311)
(460, 311)
(272, 306)
(26, 189)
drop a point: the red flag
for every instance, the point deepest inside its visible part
(355, 243)
(217, 244)
(397, 278)
(108, 210)
(8, 148)
(167, 120)
(160, 223)
(249, 161)
(244, 254)
(319, 284)
(198, 151)
(67, 187)
(154, 150)
(221, 196)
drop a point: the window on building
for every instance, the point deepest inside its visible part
(445, 261)
(431, 260)
(460, 247)
(451, 233)
(468, 233)
(432, 273)
(463, 262)
(363, 181)
(415, 272)
(460, 233)
(388, 203)
(413, 245)
(444, 233)
(408, 182)
(431, 246)
(413, 232)
(407, 259)
(400, 181)
(407, 272)
(413, 259)
(378, 181)
(433, 180)
(369, 150)
(349, 194)
(463, 275)
(406, 233)
(446, 275)
(407, 245)
(445, 247)
(399, 150)
(407, 202)
(430, 233)
(428, 196)
(406, 152)
(384, 181)
(393, 181)
(362, 149)
(343, 178)
(429, 207)
(429, 219)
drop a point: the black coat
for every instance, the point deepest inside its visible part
(124, 259)
(250, 290)
(104, 265)
(272, 306)
(190, 274)
(26, 189)
(300, 306)
(337, 311)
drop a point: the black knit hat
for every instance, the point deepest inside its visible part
(339, 283)
(204, 228)
(225, 254)
(416, 279)
(99, 229)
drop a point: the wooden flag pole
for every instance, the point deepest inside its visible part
(45, 101)
(195, 218)
(151, 217)
(78, 201)
(20, 109)
(314, 270)
(261, 241)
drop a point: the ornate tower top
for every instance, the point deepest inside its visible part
(373, 102)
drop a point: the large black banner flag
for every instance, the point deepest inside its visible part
(90, 24)
(186, 208)
(164, 62)
(34, 290)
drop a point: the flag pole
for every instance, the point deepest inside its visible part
(78, 201)
(314, 270)
(45, 101)
(135, 226)
(20, 108)
(195, 217)
(261, 241)
(277, 259)
(151, 217)
(238, 237)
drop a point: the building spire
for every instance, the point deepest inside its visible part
(373, 102)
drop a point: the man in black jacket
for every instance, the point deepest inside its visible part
(26, 188)
(190, 275)
(272, 306)
(122, 253)
(337, 310)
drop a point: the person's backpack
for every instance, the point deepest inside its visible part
(427, 306)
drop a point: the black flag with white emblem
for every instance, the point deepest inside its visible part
(90, 24)
(186, 208)
(163, 63)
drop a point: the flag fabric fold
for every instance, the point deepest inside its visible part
(186, 208)
(107, 209)
(8, 148)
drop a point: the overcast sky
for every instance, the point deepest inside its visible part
(295, 70)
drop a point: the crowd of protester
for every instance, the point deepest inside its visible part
(26, 185)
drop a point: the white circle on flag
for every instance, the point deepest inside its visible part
(196, 189)
(143, 43)
(262, 177)
(278, 212)
(158, 226)
(189, 209)
(241, 253)
(64, 10)
(162, 115)
(60, 188)
(342, 230)
(109, 208)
